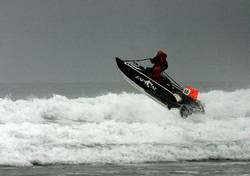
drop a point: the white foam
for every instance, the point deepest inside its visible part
(122, 128)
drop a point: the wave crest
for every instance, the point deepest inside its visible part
(122, 127)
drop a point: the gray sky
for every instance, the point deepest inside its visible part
(77, 40)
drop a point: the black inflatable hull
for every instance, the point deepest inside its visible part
(135, 74)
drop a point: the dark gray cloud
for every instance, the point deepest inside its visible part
(76, 41)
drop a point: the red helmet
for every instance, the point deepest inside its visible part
(161, 53)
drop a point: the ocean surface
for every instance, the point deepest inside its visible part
(111, 129)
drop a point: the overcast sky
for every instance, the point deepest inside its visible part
(77, 40)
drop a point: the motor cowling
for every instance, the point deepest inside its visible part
(191, 92)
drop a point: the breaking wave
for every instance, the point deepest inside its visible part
(121, 128)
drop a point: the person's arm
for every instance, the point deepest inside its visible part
(153, 60)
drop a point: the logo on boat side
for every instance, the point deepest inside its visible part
(148, 83)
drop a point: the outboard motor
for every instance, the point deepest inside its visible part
(191, 92)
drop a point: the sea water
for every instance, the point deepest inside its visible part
(110, 129)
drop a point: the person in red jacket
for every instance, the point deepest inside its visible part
(160, 64)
